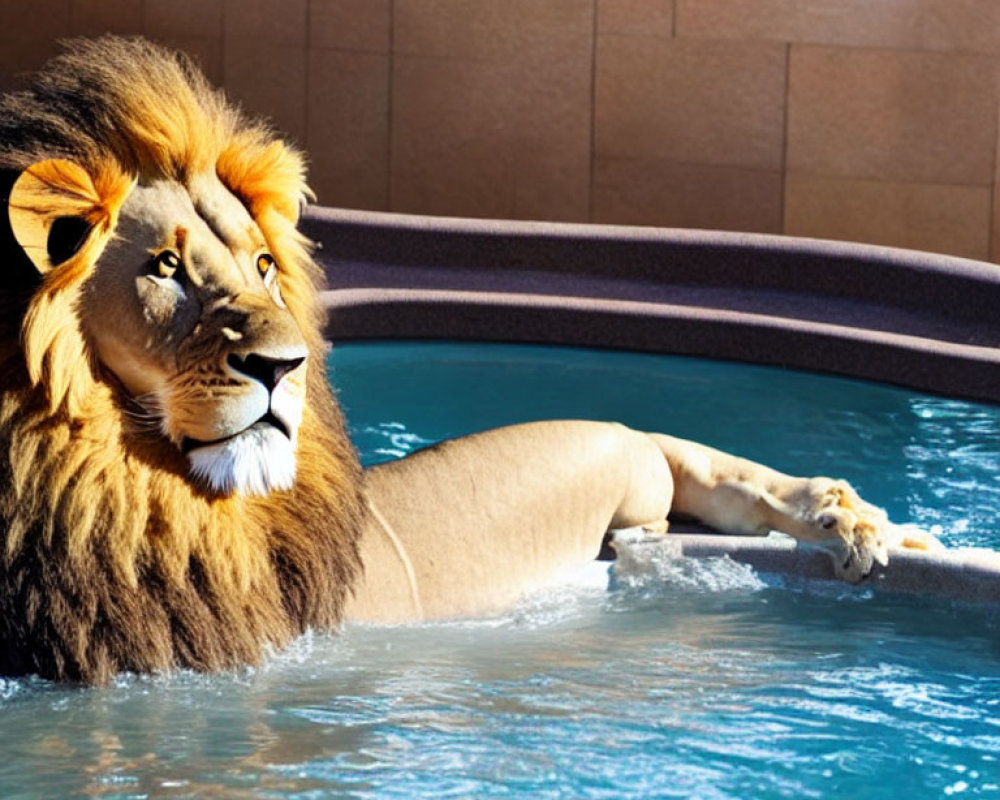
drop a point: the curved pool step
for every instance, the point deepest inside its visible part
(971, 575)
(913, 319)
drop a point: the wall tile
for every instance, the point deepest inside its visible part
(892, 115)
(971, 26)
(182, 19)
(691, 101)
(19, 59)
(636, 17)
(348, 128)
(276, 23)
(683, 195)
(849, 22)
(552, 186)
(552, 138)
(94, 17)
(487, 29)
(350, 24)
(269, 80)
(194, 26)
(891, 133)
(32, 20)
(453, 137)
(933, 217)
(506, 137)
(207, 54)
(995, 221)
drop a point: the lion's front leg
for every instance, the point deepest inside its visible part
(734, 495)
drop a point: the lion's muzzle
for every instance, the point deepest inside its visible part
(256, 455)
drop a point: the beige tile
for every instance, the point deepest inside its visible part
(849, 22)
(892, 115)
(453, 138)
(350, 24)
(20, 59)
(932, 217)
(485, 29)
(691, 101)
(492, 107)
(552, 187)
(273, 22)
(94, 17)
(269, 80)
(183, 19)
(348, 128)
(686, 196)
(493, 138)
(340, 183)
(636, 17)
(552, 137)
(207, 54)
(960, 25)
(34, 20)
(995, 221)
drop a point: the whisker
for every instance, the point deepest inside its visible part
(144, 414)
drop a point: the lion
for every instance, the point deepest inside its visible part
(177, 488)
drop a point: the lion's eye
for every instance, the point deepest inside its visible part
(167, 263)
(266, 266)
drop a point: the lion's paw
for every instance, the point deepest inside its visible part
(860, 552)
(853, 530)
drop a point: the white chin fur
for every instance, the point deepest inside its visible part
(257, 461)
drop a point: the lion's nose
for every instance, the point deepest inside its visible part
(268, 371)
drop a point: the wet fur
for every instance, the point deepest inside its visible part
(111, 558)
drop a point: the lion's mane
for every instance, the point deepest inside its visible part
(110, 558)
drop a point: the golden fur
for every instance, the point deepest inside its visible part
(112, 558)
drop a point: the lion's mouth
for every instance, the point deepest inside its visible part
(268, 420)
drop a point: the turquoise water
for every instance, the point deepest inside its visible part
(701, 680)
(928, 460)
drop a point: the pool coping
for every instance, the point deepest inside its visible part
(970, 575)
(833, 307)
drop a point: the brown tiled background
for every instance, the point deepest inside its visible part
(847, 119)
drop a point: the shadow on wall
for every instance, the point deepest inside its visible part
(873, 122)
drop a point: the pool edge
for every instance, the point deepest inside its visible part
(914, 319)
(965, 574)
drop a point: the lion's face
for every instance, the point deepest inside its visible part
(184, 308)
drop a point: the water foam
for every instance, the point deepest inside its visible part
(649, 562)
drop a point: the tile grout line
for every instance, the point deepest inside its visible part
(783, 222)
(593, 111)
(390, 104)
(306, 145)
(222, 47)
(991, 227)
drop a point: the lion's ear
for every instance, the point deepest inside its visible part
(55, 205)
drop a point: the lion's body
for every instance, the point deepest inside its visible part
(111, 558)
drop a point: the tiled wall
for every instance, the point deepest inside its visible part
(871, 120)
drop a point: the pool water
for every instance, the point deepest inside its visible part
(928, 460)
(696, 679)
